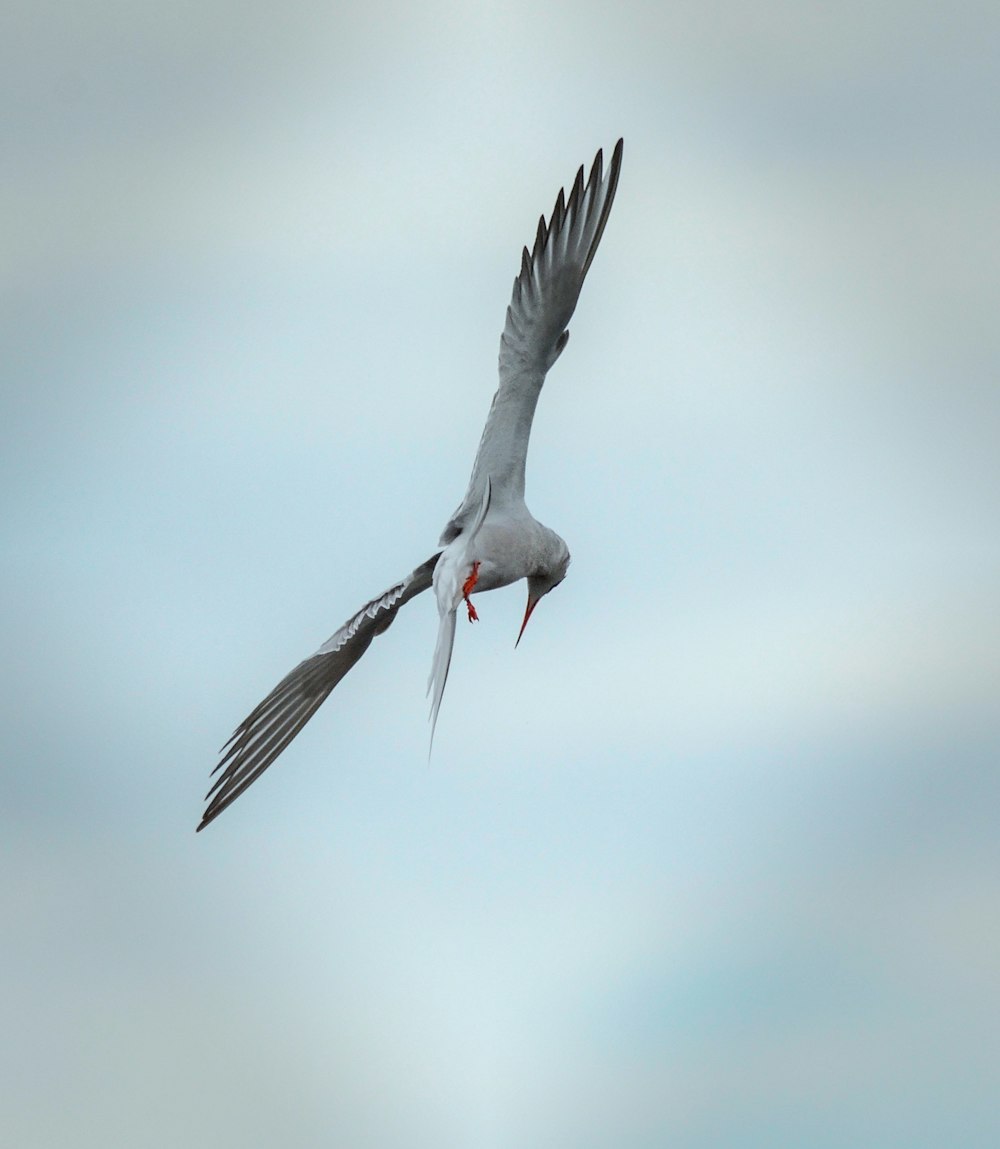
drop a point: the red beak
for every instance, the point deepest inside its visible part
(532, 603)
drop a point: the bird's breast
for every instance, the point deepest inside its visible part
(506, 552)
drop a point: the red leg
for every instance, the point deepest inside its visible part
(467, 586)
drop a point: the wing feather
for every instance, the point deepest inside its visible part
(270, 726)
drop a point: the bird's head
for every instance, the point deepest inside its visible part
(549, 575)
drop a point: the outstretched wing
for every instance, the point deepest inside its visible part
(268, 729)
(544, 299)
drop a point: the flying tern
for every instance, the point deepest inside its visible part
(492, 539)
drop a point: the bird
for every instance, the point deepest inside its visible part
(492, 540)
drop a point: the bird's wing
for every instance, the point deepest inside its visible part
(544, 298)
(268, 729)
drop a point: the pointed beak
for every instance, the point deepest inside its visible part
(532, 603)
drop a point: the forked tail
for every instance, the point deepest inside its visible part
(449, 576)
(439, 668)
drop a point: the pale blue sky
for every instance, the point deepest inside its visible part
(712, 860)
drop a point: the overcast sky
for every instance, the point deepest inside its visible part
(712, 860)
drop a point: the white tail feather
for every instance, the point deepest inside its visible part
(452, 570)
(439, 668)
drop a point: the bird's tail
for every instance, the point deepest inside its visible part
(439, 668)
(449, 574)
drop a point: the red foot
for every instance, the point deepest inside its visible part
(467, 586)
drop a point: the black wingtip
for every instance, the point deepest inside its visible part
(611, 182)
(616, 159)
